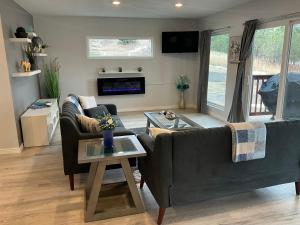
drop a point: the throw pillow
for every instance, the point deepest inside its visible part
(87, 102)
(153, 132)
(72, 100)
(89, 125)
(96, 112)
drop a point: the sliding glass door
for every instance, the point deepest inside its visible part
(218, 63)
(291, 109)
(266, 71)
(275, 72)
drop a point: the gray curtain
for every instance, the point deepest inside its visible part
(236, 112)
(205, 38)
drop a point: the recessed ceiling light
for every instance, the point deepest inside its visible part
(178, 4)
(116, 2)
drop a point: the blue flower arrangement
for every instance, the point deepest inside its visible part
(107, 122)
(182, 83)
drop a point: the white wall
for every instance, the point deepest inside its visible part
(8, 129)
(235, 17)
(67, 37)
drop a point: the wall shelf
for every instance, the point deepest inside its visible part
(20, 40)
(40, 54)
(116, 72)
(26, 74)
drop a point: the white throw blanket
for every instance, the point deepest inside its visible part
(248, 141)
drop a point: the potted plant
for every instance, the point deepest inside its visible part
(107, 124)
(51, 76)
(29, 52)
(182, 84)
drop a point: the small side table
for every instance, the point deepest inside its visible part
(117, 199)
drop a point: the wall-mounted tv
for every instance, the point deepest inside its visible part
(180, 42)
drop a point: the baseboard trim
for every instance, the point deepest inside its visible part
(12, 150)
(149, 108)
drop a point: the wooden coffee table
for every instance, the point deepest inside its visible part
(114, 200)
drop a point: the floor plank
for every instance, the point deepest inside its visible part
(34, 191)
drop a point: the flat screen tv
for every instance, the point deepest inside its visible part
(180, 42)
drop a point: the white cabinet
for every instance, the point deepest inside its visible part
(38, 125)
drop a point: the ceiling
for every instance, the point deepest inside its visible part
(128, 8)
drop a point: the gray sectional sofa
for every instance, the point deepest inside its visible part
(196, 165)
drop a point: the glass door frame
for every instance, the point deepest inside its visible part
(285, 68)
(214, 109)
(288, 24)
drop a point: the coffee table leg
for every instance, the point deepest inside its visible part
(91, 177)
(132, 186)
(95, 190)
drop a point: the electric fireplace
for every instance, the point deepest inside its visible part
(121, 86)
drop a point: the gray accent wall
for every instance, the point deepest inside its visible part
(67, 37)
(24, 90)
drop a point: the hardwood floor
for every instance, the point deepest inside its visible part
(34, 191)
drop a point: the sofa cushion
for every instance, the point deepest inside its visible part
(96, 112)
(89, 125)
(73, 100)
(87, 102)
(74, 96)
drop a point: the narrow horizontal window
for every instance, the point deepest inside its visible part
(103, 47)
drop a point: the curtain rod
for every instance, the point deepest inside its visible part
(282, 17)
(277, 18)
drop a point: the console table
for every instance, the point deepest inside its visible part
(38, 125)
(117, 199)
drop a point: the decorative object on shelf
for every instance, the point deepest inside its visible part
(37, 44)
(21, 33)
(26, 66)
(234, 49)
(51, 74)
(103, 70)
(44, 47)
(169, 114)
(140, 69)
(108, 72)
(182, 84)
(29, 29)
(120, 69)
(30, 32)
(29, 51)
(40, 104)
(107, 124)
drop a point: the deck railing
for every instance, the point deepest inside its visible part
(257, 107)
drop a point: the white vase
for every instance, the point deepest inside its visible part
(181, 100)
